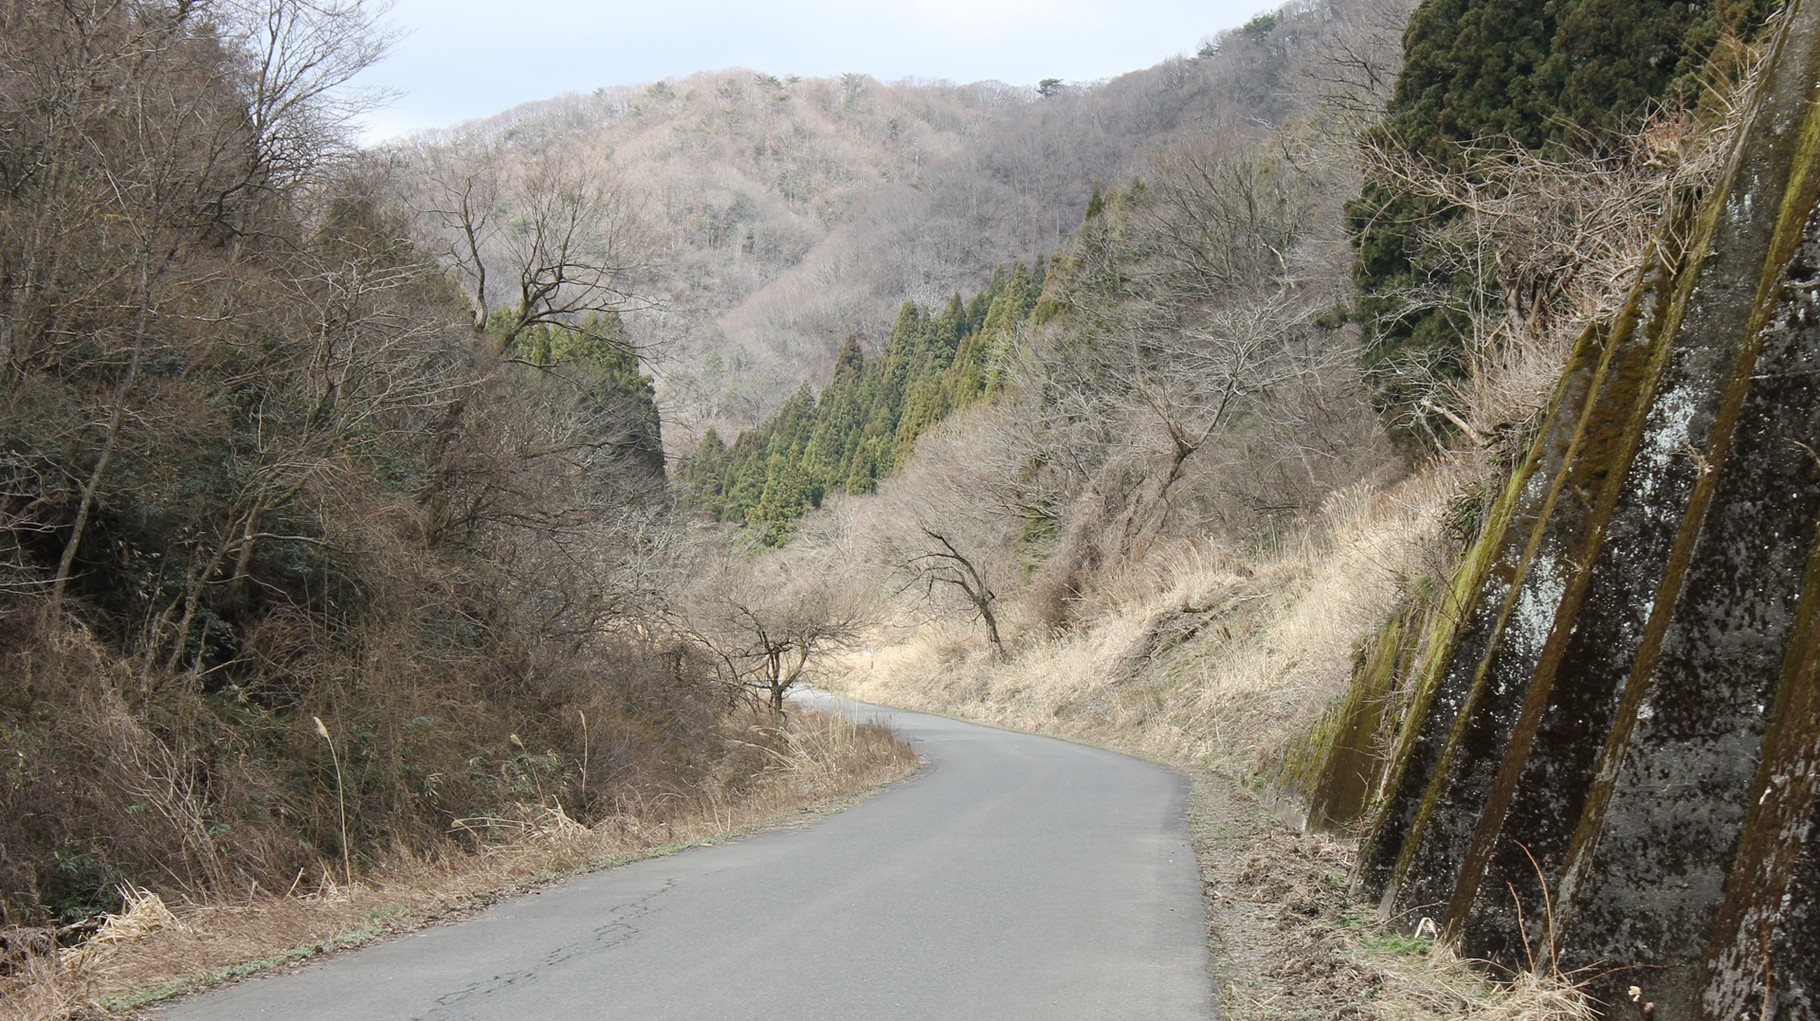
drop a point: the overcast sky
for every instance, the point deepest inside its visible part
(461, 59)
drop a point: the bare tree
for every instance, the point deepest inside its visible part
(1190, 346)
(365, 361)
(947, 525)
(543, 239)
(1139, 412)
(1352, 75)
(941, 563)
(1550, 242)
(298, 60)
(1229, 209)
(763, 624)
(155, 156)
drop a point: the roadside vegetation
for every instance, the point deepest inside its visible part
(786, 772)
(339, 580)
(345, 583)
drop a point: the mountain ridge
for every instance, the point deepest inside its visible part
(789, 214)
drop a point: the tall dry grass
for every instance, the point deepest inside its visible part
(1214, 658)
(792, 769)
(1200, 654)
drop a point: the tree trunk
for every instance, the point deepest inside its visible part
(991, 619)
(92, 486)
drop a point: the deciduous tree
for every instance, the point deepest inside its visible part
(764, 623)
(543, 240)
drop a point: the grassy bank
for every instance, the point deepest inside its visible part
(148, 951)
(1213, 660)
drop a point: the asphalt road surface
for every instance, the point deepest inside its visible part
(1014, 877)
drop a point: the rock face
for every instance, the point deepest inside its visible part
(1610, 751)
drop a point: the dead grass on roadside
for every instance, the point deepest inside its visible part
(1290, 945)
(1198, 655)
(148, 951)
(1214, 659)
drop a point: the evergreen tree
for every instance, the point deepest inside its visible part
(865, 422)
(702, 475)
(1553, 76)
(597, 356)
(839, 420)
(746, 477)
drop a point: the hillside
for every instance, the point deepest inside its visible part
(1489, 556)
(781, 217)
(1398, 416)
(1213, 275)
(304, 572)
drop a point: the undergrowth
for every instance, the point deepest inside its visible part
(147, 951)
(1214, 659)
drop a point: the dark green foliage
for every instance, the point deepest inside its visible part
(1260, 26)
(1096, 204)
(596, 356)
(1539, 73)
(865, 422)
(1554, 76)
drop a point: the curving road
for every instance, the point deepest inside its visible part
(1014, 877)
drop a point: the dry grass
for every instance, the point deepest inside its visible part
(1545, 997)
(1199, 655)
(148, 950)
(1290, 943)
(1213, 659)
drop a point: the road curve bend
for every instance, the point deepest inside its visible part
(1015, 877)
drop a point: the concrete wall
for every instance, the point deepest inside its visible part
(1609, 745)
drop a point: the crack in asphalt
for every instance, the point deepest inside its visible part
(1024, 880)
(619, 930)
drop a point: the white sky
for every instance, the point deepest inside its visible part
(461, 59)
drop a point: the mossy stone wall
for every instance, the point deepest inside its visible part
(1610, 755)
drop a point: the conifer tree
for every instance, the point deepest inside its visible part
(1560, 77)
(865, 422)
(702, 476)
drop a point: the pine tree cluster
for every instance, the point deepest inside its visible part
(865, 422)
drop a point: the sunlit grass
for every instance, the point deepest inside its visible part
(812, 762)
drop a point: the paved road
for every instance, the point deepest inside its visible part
(1015, 877)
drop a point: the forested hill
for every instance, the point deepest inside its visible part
(780, 217)
(864, 423)
(1221, 242)
(273, 510)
